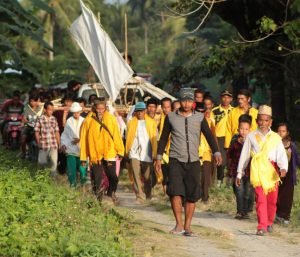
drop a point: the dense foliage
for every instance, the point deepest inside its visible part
(40, 218)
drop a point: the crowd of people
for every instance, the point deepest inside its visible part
(187, 145)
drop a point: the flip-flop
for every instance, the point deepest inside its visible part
(178, 233)
(189, 234)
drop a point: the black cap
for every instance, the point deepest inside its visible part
(226, 92)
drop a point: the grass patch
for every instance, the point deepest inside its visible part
(38, 217)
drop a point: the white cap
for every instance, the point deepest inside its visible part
(75, 107)
(265, 110)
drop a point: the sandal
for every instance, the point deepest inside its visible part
(175, 232)
(189, 234)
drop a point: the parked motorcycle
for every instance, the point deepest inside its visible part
(14, 131)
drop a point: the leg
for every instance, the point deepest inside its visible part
(53, 155)
(97, 175)
(261, 208)
(271, 206)
(72, 169)
(110, 169)
(136, 173)
(147, 174)
(206, 179)
(165, 171)
(189, 209)
(82, 171)
(43, 158)
(176, 203)
(239, 194)
(220, 169)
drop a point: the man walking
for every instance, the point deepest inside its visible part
(185, 126)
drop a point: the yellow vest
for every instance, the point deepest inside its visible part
(221, 119)
(232, 123)
(152, 133)
(262, 172)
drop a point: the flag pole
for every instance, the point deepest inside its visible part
(126, 38)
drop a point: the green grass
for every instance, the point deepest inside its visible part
(38, 217)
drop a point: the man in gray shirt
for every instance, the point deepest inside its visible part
(185, 126)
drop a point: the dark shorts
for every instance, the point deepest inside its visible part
(184, 180)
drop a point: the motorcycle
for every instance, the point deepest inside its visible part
(14, 131)
(32, 147)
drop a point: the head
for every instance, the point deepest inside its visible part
(199, 95)
(186, 101)
(140, 110)
(244, 98)
(81, 101)
(245, 122)
(129, 59)
(208, 103)
(74, 85)
(226, 98)
(166, 105)
(16, 97)
(99, 107)
(76, 110)
(264, 118)
(34, 100)
(67, 101)
(175, 105)
(48, 108)
(92, 98)
(283, 130)
(151, 107)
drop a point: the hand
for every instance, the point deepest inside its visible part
(157, 165)
(283, 173)
(119, 158)
(218, 160)
(75, 141)
(238, 182)
(63, 148)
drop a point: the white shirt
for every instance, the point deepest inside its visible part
(277, 155)
(141, 147)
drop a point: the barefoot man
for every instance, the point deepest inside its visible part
(185, 126)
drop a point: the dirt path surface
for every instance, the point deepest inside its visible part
(218, 234)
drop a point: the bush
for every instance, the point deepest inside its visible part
(41, 218)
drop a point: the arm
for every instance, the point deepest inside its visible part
(281, 159)
(164, 138)
(228, 134)
(209, 137)
(244, 158)
(37, 130)
(119, 146)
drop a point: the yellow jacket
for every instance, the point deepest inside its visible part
(165, 158)
(96, 143)
(152, 133)
(232, 123)
(205, 152)
(220, 116)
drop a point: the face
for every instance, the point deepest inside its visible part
(187, 105)
(76, 115)
(140, 114)
(243, 100)
(283, 131)
(166, 107)
(176, 106)
(68, 103)
(49, 110)
(16, 100)
(208, 104)
(199, 98)
(33, 104)
(151, 109)
(100, 109)
(226, 100)
(82, 105)
(264, 122)
(244, 129)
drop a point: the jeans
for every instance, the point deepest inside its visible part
(244, 196)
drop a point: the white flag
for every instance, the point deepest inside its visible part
(110, 67)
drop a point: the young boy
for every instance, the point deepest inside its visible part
(47, 137)
(244, 191)
(286, 188)
(269, 163)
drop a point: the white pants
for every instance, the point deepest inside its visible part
(48, 158)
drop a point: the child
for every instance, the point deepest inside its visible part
(286, 189)
(243, 192)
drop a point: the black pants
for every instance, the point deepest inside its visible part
(97, 170)
(165, 171)
(110, 171)
(220, 169)
(62, 163)
(206, 179)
